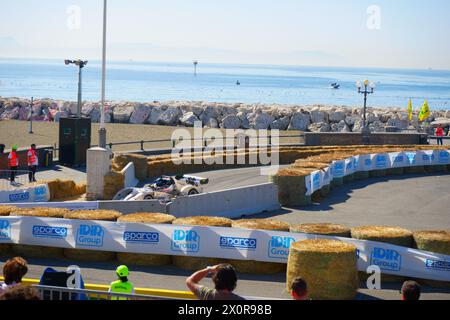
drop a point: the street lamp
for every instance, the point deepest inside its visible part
(195, 67)
(80, 64)
(102, 131)
(365, 92)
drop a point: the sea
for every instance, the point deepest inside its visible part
(232, 83)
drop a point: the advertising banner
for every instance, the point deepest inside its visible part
(39, 193)
(226, 243)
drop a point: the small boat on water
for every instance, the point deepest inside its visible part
(238, 83)
(335, 86)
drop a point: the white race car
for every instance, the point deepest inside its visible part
(164, 188)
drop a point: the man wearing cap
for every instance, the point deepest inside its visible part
(122, 285)
(13, 161)
(33, 163)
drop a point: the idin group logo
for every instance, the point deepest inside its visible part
(49, 232)
(5, 230)
(185, 241)
(279, 247)
(141, 237)
(238, 243)
(386, 259)
(90, 235)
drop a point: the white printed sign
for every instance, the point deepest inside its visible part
(38, 193)
(225, 243)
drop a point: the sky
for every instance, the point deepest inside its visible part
(348, 33)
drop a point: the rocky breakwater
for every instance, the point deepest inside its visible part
(313, 118)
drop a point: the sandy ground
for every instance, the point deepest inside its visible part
(46, 133)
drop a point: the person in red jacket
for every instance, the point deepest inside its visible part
(13, 161)
(32, 163)
(439, 135)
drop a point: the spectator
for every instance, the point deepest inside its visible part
(21, 292)
(2, 148)
(13, 272)
(224, 278)
(122, 285)
(439, 135)
(411, 291)
(299, 289)
(33, 163)
(13, 160)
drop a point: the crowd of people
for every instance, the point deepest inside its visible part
(223, 276)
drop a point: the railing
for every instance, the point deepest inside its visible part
(21, 179)
(60, 293)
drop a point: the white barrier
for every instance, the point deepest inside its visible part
(39, 193)
(130, 176)
(82, 205)
(225, 243)
(232, 203)
(380, 161)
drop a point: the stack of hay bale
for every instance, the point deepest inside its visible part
(257, 267)
(113, 183)
(197, 263)
(38, 252)
(329, 267)
(392, 235)
(145, 259)
(120, 161)
(324, 229)
(436, 242)
(61, 190)
(91, 255)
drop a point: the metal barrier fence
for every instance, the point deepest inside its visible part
(21, 179)
(60, 293)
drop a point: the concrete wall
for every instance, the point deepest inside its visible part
(130, 176)
(233, 203)
(338, 139)
(127, 207)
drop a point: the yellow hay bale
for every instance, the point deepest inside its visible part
(326, 229)
(292, 187)
(91, 255)
(256, 267)
(393, 235)
(120, 161)
(37, 252)
(103, 215)
(436, 242)
(113, 183)
(196, 263)
(329, 267)
(64, 189)
(145, 259)
(40, 212)
(149, 218)
(203, 221)
(6, 210)
(433, 241)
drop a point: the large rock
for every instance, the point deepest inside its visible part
(212, 123)
(300, 121)
(122, 114)
(398, 123)
(24, 113)
(444, 122)
(11, 114)
(337, 116)
(280, 124)
(231, 122)
(140, 114)
(262, 121)
(447, 114)
(169, 117)
(155, 113)
(189, 119)
(319, 127)
(319, 117)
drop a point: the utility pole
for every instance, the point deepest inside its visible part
(102, 131)
(31, 117)
(195, 67)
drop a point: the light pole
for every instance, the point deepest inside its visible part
(81, 64)
(195, 67)
(31, 117)
(102, 131)
(365, 92)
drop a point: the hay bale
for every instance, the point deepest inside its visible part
(120, 161)
(197, 263)
(349, 178)
(436, 242)
(91, 255)
(257, 267)
(145, 259)
(392, 235)
(291, 189)
(414, 170)
(436, 169)
(5, 250)
(395, 172)
(64, 189)
(6, 210)
(337, 182)
(40, 212)
(113, 183)
(362, 175)
(325, 191)
(377, 173)
(326, 229)
(328, 266)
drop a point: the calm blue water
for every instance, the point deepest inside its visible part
(145, 82)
